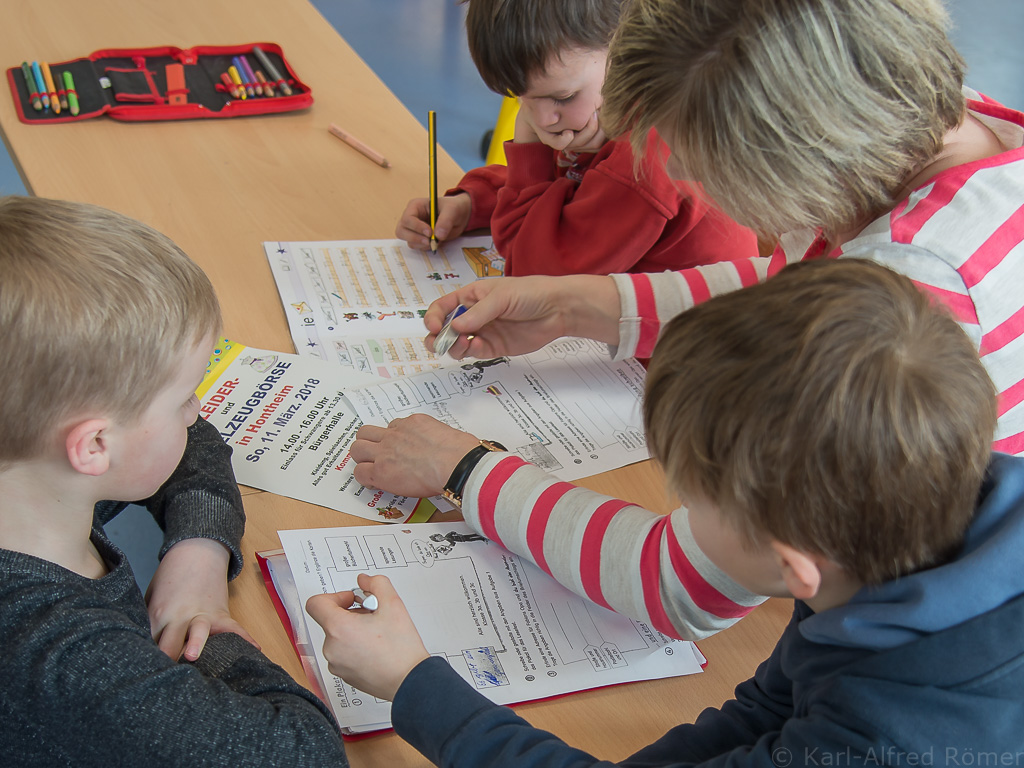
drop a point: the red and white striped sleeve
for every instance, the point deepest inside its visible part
(635, 562)
(648, 301)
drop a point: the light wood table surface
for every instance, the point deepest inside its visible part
(220, 188)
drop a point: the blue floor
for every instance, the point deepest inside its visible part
(418, 49)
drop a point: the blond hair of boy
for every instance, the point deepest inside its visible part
(96, 309)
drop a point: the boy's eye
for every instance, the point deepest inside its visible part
(191, 401)
(565, 99)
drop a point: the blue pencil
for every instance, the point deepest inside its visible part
(40, 84)
(247, 83)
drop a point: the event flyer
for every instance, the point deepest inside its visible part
(290, 425)
(291, 419)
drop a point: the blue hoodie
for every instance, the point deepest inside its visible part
(925, 670)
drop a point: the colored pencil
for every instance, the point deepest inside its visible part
(40, 84)
(237, 80)
(268, 89)
(69, 84)
(246, 82)
(50, 87)
(359, 146)
(250, 76)
(30, 83)
(229, 84)
(272, 70)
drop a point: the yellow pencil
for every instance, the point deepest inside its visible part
(48, 79)
(237, 80)
(432, 138)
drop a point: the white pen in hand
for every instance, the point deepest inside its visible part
(364, 600)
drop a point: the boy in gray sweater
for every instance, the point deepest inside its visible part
(105, 332)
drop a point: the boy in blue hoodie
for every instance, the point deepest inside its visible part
(829, 432)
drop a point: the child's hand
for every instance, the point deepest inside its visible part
(453, 214)
(589, 138)
(372, 651)
(413, 456)
(188, 598)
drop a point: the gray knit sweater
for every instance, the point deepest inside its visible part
(82, 683)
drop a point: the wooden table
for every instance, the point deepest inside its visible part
(220, 188)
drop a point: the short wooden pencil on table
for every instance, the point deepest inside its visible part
(359, 146)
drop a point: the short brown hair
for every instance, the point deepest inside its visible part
(510, 40)
(833, 407)
(792, 113)
(95, 311)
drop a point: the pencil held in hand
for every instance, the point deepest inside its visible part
(432, 162)
(359, 146)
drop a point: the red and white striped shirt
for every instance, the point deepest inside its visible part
(959, 236)
(634, 561)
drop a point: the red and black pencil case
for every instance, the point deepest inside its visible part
(166, 83)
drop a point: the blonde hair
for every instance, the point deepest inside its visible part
(95, 311)
(792, 113)
(834, 408)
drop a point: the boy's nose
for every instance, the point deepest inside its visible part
(549, 117)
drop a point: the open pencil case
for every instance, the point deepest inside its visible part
(165, 84)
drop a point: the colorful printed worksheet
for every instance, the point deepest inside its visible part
(291, 419)
(509, 629)
(360, 303)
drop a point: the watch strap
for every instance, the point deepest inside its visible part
(457, 481)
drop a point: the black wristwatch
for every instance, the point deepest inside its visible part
(457, 482)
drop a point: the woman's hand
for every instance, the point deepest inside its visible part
(517, 315)
(413, 456)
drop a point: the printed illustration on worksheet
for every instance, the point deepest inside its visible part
(504, 625)
(361, 303)
(565, 408)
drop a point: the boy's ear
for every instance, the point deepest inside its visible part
(800, 570)
(88, 448)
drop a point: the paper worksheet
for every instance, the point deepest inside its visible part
(504, 625)
(566, 407)
(291, 419)
(360, 303)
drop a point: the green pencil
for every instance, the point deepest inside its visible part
(69, 86)
(30, 83)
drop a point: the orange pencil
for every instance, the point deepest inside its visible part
(50, 87)
(357, 145)
(268, 89)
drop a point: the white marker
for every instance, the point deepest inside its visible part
(446, 337)
(364, 600)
